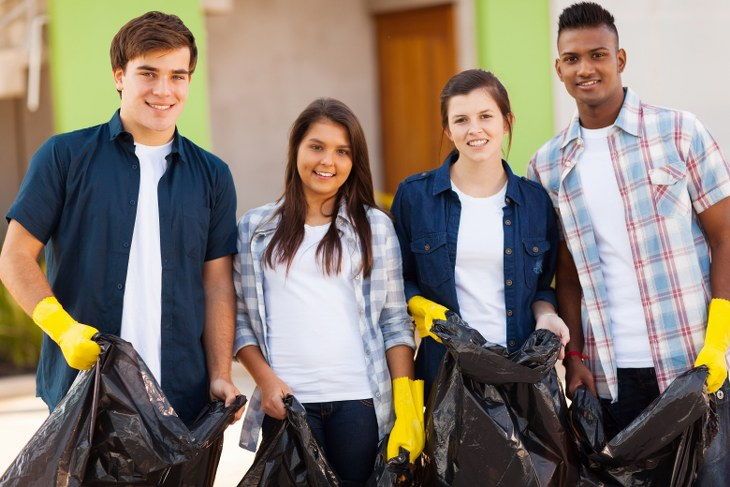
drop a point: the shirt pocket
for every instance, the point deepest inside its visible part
(432, 258)
(196, 222)
(669, 189)
(534, 255)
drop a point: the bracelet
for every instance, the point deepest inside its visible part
(575, 353)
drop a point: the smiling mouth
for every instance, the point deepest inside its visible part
(323, 174)
(477, 142)
(588, 84)
(161, 108)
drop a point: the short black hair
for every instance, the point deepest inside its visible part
(585, 14)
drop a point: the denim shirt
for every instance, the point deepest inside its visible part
(383, 323)
(427, 214)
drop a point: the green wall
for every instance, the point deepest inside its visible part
(81, 77)
(513, 41)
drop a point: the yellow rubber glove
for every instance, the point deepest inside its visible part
(74, 338)
(424, 312)
(408, 431)
(717, 341)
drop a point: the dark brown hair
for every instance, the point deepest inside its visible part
(356, 193)
(474, 79)
(153, 31)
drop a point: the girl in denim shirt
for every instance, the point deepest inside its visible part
(475, 238)
(321, 309)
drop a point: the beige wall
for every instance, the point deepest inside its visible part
(676, 58)
(267, 61)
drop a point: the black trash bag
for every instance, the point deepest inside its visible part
(115, 427)
(292, 456)
(663, 446)
(495, 418)
(395, 472)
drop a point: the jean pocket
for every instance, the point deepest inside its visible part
(535, 249)
(368, 402)
(432, 258)
(669, 189)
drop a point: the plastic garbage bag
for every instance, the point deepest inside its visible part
(663, 446)
(292, 456)
(115, 427)
(495, 418)
(395, 472)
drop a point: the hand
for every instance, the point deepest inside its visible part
(576, 375)
(424, 312)
(717, 340)
(408, 430)
(73, 338)
(555, 324)
(224, 390)
(273, 392)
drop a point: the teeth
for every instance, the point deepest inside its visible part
(324, 174)
(477, 143)
(159, 107)
(588, 83)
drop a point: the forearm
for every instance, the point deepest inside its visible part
(23, 278)
(569, 294)
(220, 312)
(255, 363)
(720, 270)
(400, 361)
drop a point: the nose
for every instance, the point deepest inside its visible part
(474, 127)
(161, 87)
(585, 68)
(327, 158)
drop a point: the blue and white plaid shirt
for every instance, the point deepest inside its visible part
(384, 321)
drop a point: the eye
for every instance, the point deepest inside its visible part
(179, 77)
(570, 59)
(147, 74)
(599, 55)
(315, 147)
(343, 152)
(486, 116)
(460, 120)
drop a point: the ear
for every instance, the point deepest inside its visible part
(118, 74)
(508, 120)
(557, 69)
(621, 57)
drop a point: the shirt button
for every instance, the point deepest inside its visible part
(508, 222)
(511, 343)
(120, 286)
(509, 282)
(134, 166)
(125, 245)
(132, 202)
(426, 247)
(535, 249)
(377, 395)
(509, 312)
(508, 251)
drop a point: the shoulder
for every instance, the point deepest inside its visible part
(254, 217)
(549, 151)
(533, 190)
(201, 156)
(417, 180)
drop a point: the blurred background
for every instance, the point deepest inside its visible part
(262, 62)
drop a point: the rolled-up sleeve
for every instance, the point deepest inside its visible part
(399, 212)
(545, 291)
(245, 284)
(395, 323)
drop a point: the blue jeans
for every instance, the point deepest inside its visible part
(347, 431)
(637, 388)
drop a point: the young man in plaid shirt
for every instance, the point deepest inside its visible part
(642, 198)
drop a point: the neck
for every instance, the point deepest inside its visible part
(319, 210)
(478, 179)
(603, 115)
(145, 136)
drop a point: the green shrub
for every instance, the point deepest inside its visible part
(20, 338)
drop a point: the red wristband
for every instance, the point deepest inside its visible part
(575, 353)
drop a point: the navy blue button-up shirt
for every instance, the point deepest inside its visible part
(427, 214)
(79, 198)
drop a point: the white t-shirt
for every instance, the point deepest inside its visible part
(480, 265)
(142, 310)
(606, 209)
(313, 326)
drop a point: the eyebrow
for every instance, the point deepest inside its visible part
(317, 141)
(155, 70)
(487, 110)
(569, 53)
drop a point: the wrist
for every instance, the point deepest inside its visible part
(574, 356)
(50, 317)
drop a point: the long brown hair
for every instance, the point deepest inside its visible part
(356, 193)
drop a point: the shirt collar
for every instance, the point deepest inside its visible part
(628, 119)
(442, 178)
(116, 131)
